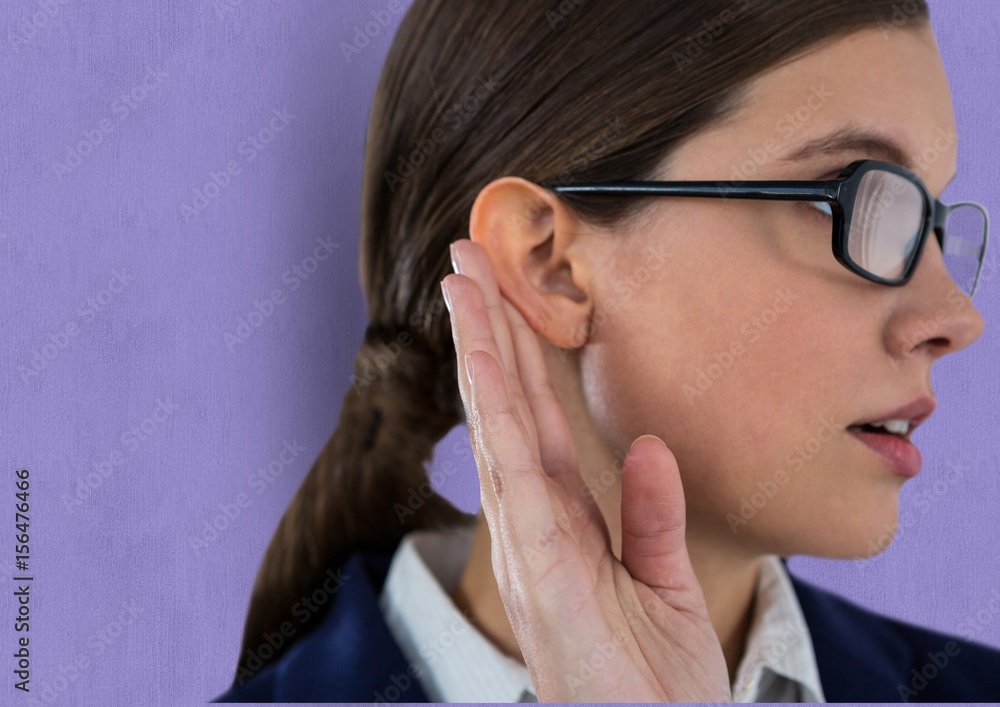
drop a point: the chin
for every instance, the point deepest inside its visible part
(865, 531)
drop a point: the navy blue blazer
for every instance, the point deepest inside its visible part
(862, 656)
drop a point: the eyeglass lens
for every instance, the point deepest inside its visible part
(965, 235)
(886, 225)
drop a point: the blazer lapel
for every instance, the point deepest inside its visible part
(352, 656)
(859, 658)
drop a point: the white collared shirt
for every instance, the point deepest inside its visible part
(454, 662)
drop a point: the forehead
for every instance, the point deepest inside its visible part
(889, 84)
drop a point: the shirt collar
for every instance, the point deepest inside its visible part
(779, 646)
(453, 661)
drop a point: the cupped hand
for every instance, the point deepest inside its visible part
(590, 627)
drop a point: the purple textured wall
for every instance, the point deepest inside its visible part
(179, 191)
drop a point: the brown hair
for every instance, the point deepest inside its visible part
(548, 90)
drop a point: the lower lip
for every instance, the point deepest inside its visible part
(901, 456)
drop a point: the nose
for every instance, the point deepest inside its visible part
(934, 316)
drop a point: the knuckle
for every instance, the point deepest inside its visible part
(542, 389)
(481, 342)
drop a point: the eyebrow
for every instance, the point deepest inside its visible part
(852, 140)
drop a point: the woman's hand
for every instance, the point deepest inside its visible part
(590, 627)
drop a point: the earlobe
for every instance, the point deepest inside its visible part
(534, 245)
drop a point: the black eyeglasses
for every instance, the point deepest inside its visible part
(882, 214)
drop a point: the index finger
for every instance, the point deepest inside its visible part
(514, 486)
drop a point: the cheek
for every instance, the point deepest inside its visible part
(722, 385)
(742, 382)
(702, 345)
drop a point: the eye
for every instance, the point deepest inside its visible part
(820, 206)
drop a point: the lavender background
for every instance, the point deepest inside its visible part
(101, 256)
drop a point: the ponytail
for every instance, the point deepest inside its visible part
(403, 400)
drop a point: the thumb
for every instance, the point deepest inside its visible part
(653, 517)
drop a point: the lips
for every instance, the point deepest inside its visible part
(913, 413)
(901, 456)
(888, 435)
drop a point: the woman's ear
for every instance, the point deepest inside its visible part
(535, 245)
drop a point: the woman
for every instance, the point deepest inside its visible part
(751, 396)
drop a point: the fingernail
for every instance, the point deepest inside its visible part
(634, 441)
(447, 295)
(456, 261)
(469, 366)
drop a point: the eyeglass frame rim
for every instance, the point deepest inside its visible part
(840, 192)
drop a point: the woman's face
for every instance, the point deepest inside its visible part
(728, 329)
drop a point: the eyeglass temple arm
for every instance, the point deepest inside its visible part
(779, 191)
